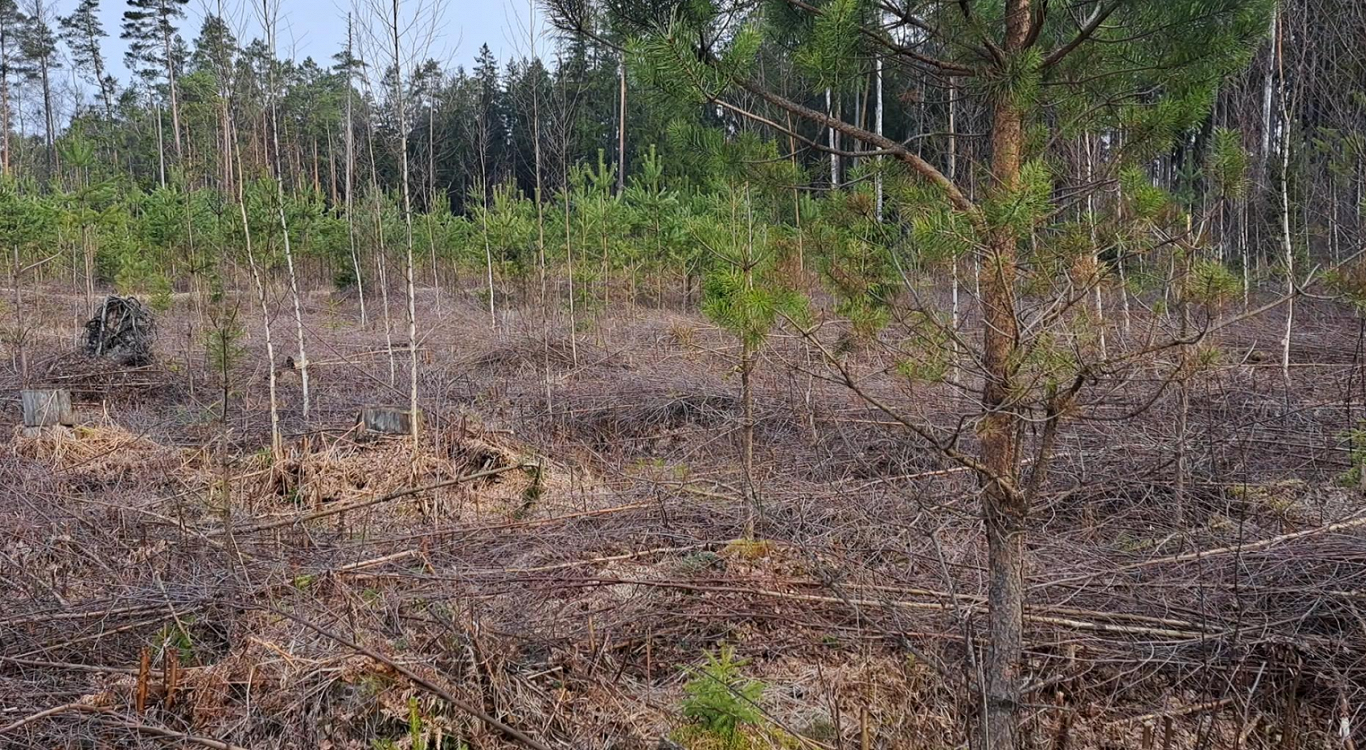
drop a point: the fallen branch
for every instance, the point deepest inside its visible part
(93, 668)
(1174, 712)
(336, 509)
(79, 615)
(419, 681)
(1197, 555)
(77, 706)
(171, 734)
(898, 604)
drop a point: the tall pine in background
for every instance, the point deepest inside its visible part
(149, 27)
(84, 35)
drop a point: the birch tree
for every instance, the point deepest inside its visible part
(269, 10)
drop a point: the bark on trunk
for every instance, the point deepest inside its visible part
(1004, 509)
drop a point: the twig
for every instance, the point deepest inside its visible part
(77, 706)
(343, 508)
(1353, 523)
(419, 681)
(171, 734)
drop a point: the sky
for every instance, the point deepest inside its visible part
(317, 28)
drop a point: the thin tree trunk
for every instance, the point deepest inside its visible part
(1267, 95)
(276, 440)
(1247, 261)
(747, 357)
(621, 130)
(381, 253)
(431, 201)
(834, 158)
(1004, 508)
(161, 147)
(408, 234)
(488, 257)
(540, 207)
(877, 128)
(171, 84)
(348, 179)
(268, 20)
(1095, 248)
(5, 101)
(1287, 247)
(569, 256)
(1183, 399)
(952, 173)
(49, 123)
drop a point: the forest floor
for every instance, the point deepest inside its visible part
(166, 582)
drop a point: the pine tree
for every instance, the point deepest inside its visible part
(83, 34)
(149, 27)
(1033, 65)
(216, 52)
(348, 65)
(39, 46)
(11, 29)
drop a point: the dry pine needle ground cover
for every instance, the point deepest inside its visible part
(576, 561)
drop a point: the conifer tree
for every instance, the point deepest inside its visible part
(83, 34)
(11, 28)
(39, 46)
(215, 51)
(1033, 65)
(348, 65)
(149, 27)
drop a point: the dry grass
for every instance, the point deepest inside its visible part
(567, 593)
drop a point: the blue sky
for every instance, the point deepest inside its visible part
(317, 28)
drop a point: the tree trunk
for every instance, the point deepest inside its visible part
(569, 255)
(877, 128)
(1267, 93)
(171, 84)
(408, 232)
(4, 101)
(276, 442)
(348, 180)
(1004, 509)
(1287, 247)
(381, 260)
(49, 124)
(952, 173)
(540, 211)
(621, 131)
(834, 158)
(161, 147)
(269, 20)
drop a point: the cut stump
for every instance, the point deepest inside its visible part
(46, 408)
(384, 420)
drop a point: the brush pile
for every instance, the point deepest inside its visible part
(122, 330)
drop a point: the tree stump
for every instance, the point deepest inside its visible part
(46, 408)
(384, 420)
